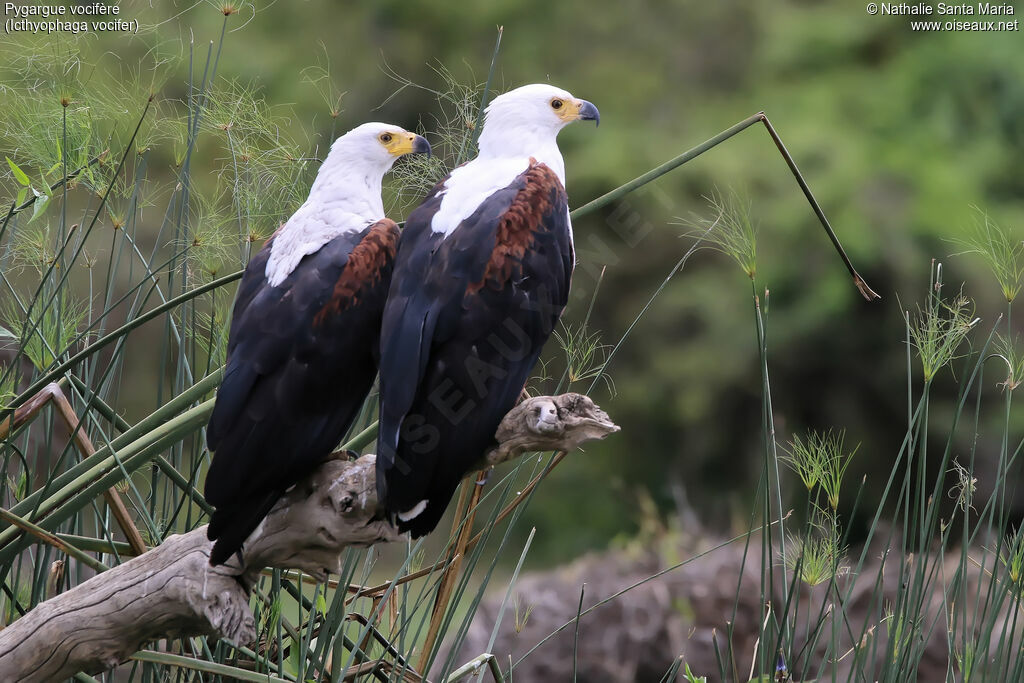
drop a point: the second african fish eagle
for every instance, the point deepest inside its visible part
(302, 350)
(481, 278)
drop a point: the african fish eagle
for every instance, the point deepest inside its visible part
(480, 280)
(303, 345)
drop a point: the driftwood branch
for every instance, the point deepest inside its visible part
(172, 591)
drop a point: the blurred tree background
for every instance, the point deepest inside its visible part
(899, 134)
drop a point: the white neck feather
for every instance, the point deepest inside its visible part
(511, 139)
(345, 197)
(506, 147)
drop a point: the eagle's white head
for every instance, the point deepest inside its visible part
(525, 122)
(372, 147)
(346, 195)
(530, 117)
(519, 125)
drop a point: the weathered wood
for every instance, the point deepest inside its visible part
(172, 591)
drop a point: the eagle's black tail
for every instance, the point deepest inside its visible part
(231, 525)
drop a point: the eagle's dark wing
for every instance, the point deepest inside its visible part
(464, 323)
(302, 357)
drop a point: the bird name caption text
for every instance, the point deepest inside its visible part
(96, 17)
(944, 16)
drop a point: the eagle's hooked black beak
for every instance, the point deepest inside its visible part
(421, 146)
(588, 112)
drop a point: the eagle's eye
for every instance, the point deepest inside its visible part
(385, 138)
(556, 104)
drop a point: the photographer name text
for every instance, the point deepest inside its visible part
(984, 9)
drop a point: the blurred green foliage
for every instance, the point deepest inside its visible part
(898, 134)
